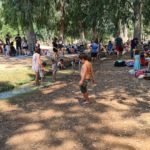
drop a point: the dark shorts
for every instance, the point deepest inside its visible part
(93, 54)
(83, 87)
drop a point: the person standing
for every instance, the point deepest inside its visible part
(55, 47)
(7, 39)
(119, 44)
(137, 65)
(36, 63)
(25, 46)
(86, 76)
(94, 50)
(18, 44)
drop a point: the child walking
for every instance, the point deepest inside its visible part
(137, 64)
(86, 75)
(54, 69)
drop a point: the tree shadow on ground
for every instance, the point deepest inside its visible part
(6, 86)
(52, 118)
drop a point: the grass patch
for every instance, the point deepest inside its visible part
(14, 77)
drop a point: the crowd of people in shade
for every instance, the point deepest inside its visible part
(14, 47)
(117, 47)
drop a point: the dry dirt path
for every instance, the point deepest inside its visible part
(52, 119)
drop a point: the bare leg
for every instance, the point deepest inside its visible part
(86, 97)
(37, 78)
(54, 76)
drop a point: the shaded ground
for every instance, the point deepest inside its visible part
(52, 119)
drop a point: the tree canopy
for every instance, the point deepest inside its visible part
(84, 19)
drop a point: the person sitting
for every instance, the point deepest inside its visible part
(12, 49)
(110, 47)
(142, 59)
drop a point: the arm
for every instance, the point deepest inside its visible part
(39, 60)
(83, 74)
(92, 75)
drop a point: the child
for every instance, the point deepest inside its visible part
(86, 75)
(137, 64)
(7, 50)
(61, 64)
(42, 71)
(110, 47)
(54, 69)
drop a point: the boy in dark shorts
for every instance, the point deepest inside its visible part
(86, 76)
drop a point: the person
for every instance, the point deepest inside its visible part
(137, 65)
(110, 47)
(36, 63)
(119, 45)
(134, 44)
(86, 75)
(61, 64)
(6, 50)
(94, 51)
(54, 69)
(55, 47)
(12, 49)
(25, 46)
(1, 46)
(42, 71)
(142, 60)
(7, 39)
(18, 44)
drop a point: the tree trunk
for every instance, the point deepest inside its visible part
(120, 28)
(62, 21)
(81, 30)
(31, 37)
(125, 33)
(137, 19)
(94, 33)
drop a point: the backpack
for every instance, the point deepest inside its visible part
(120, 63)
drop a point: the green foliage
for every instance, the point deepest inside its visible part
(105, 17)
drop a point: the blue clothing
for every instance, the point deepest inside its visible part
(94, 47)
(110, 47)
(137, 65)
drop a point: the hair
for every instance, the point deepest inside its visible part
(12, 43)
(137, 52)
(61, 60)
(37, 50)
(83, 56)
(44, 63)
(53, 61)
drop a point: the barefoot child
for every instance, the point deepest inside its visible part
(86, 76)
(54, 69)
(42, 71)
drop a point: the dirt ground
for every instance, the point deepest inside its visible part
(52, 119)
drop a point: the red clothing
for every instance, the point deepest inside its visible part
(119, 48)
(143, 61)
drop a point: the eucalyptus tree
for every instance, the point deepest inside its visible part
(27, 14)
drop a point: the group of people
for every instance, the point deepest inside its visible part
(38, 66)
(87, 74)
(8, 49)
